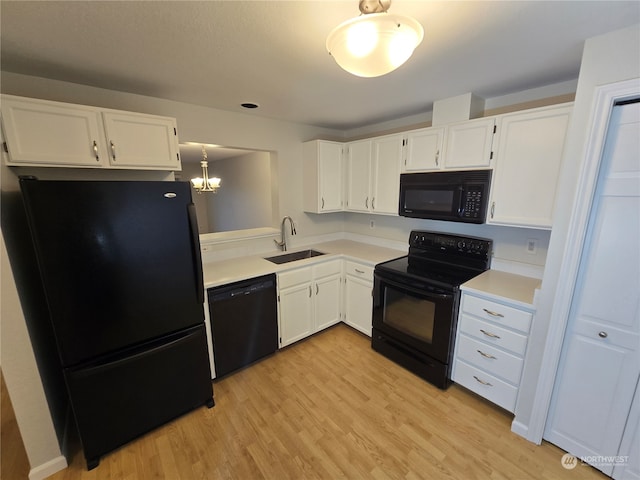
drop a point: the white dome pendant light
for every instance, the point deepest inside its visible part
(376, 42)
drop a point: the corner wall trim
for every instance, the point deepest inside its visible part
(48, 468)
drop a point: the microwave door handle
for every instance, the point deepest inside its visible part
(460, 199)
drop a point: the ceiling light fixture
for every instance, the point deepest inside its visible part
(204, 183)
(376, 42)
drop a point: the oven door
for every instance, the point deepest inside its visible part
(414, 315)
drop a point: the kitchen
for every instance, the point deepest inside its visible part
(198, 122)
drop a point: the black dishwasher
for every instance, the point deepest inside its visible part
(244, 322)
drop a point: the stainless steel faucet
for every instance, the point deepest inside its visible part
(283, 241)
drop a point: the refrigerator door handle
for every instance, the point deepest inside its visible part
(197, 256)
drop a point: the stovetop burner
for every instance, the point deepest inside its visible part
(441, 259)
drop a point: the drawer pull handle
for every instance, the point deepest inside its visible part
(493, 314)
(489, 334)
(482, 382)
(486, 355)
(603, 335)
(359, 271)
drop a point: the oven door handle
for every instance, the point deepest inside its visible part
(423, 293)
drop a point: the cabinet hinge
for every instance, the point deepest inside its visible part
(495, 128)
(5, 147)
(175, 132)
(279, 300)
(178, 157)
(491, 156)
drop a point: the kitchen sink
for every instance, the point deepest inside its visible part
(293, 256)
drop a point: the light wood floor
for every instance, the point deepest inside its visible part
(331, 408)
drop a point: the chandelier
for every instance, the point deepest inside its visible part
(376, 42)
(204, 183)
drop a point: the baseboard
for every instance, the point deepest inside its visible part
(520, 429)
(48, 468)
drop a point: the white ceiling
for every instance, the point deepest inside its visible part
(223, 53)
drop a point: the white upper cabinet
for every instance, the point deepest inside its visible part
(422, 150)
(55, 134)
(141, 141)
(322, 176)
(468, 144)
(385, 182)
(527, 164)
(50, 133)
(373, 175)
(359, 176)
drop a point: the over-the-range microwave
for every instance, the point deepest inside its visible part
(459, 196)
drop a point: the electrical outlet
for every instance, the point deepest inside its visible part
(372, 224)
(532, 246)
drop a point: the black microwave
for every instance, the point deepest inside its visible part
(460, 196)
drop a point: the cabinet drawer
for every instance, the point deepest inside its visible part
(359, 270)
(493, 334)
(485, 385)
(497, 312)
(327, 268)
(495, 361)
(294, 277)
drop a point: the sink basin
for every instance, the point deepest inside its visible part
(293, 256)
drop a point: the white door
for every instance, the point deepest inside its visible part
(141, 141)
(296, 315)
(358, 304)
(39, 132)
(359, 176)
(330, 171)
(423, 150)
(387, 158)
(600, 362)
(469, 144)
(327, 301)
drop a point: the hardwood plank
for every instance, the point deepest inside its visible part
(329, 407)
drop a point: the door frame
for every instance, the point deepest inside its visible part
(604, 99)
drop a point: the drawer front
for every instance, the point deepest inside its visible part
(359, 270)
(327, 268)
(493, 334)
(485, 385)
(493, 360)
(496, 312)
(294, 277)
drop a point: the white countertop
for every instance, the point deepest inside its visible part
(241, 268)
(502, 285)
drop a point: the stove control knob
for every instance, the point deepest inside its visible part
(461, 244)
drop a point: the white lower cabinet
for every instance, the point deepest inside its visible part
(490, 347)
(358, 302)
(308, 300)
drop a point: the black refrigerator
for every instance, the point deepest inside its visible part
(122, 275)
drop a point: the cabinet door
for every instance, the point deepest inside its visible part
(358, 304)
(385, 189)
(359, 176)
(145, 142)
(327, 301)
(528, 161)
(422, 150)
(469, 143)
(296, 315)
(330, 176)
(46, 133)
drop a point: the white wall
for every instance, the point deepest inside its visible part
(606, 59)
